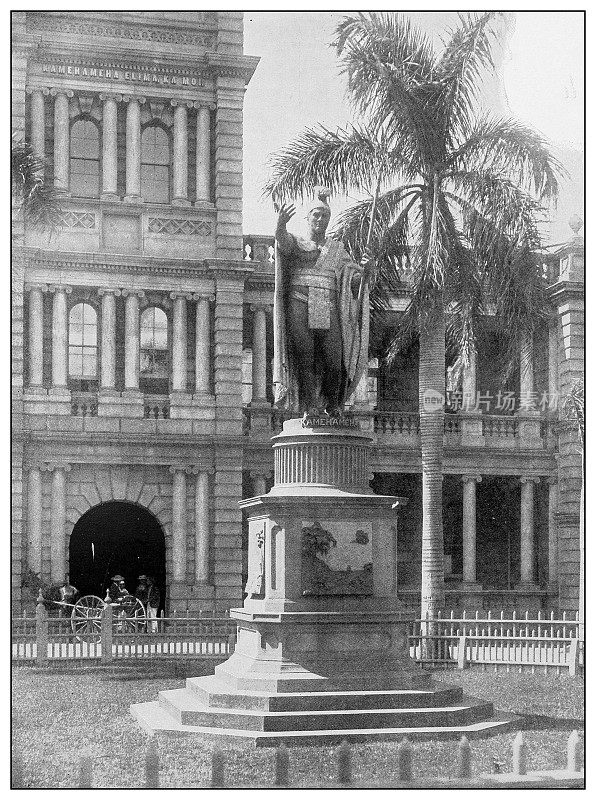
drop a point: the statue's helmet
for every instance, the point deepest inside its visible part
(321, 201)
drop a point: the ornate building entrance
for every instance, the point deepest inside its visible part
(116, 537)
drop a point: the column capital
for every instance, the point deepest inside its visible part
(42, 89)
(179, 468)
(261, 473)
(111, 96)
(43, 287)
(471, 478)
(181, 295)
(131, 98)
(264, 306)
(182, 103)
(208, 296)
(52, 466)
(133, 292)
(60, 287)
(198, 104)
(529, 479)
(197, 469)
(55, 92)
(552, 480)
(108, 290)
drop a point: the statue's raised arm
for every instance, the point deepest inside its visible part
(321, 320)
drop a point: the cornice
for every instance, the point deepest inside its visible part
(106, 262)
(565, 287)
(232, 66)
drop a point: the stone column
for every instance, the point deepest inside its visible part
(108, 339)
(527, 532)
(58, 522)
(259, 485)
(553, 533)
(36, 336)
(110, 146)
(59, 338)
(131, 340)
(38, 122)
(133, 149)
(61, 140)
(203, 165)
(178, 524)
(202, 527)
(179, 341)
(469, 527)
(34, 524)
(259, 354)
(203, 344)
(180, 195)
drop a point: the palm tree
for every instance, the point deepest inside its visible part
(459, 204)
(32, 198)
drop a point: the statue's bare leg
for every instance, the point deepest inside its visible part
(301, 340)
(332, 362)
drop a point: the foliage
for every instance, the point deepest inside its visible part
(32, 197)
(462, 191)
(316, 539)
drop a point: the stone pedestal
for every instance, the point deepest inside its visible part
(321, 636)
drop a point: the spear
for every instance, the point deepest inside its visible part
(367, 268)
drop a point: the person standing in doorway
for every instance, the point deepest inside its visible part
(153, 598)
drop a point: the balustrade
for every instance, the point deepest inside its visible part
(84, 404)
(156, 406)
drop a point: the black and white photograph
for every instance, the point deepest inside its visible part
(297, 398)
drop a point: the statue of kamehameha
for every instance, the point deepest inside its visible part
(321, 316)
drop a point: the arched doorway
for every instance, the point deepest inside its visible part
(116, 537)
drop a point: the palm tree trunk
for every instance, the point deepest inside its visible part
(432, 388)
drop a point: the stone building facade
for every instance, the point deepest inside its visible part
(142, 345)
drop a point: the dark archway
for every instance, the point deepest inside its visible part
(116, 537)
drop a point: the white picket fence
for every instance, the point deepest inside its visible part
(514, 641)
(505, 642)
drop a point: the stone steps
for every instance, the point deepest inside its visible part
(216, 694)
(154, 718)
(187, 709)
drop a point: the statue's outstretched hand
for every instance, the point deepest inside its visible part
(285, 214)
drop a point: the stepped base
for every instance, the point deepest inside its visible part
(155, 719)
(208, 707)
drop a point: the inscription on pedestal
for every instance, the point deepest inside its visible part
(324, 421)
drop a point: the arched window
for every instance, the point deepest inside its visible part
(84, 159)
(154, 350)
(82, 342)
(155, 165)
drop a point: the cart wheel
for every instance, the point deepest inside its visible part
(86, 617)
(132, 618)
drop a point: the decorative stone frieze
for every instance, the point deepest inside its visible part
(172, 226)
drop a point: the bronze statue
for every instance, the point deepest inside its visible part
(321, 318)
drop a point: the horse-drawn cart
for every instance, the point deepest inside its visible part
(129, 615)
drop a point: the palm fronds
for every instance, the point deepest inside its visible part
(32, 197)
